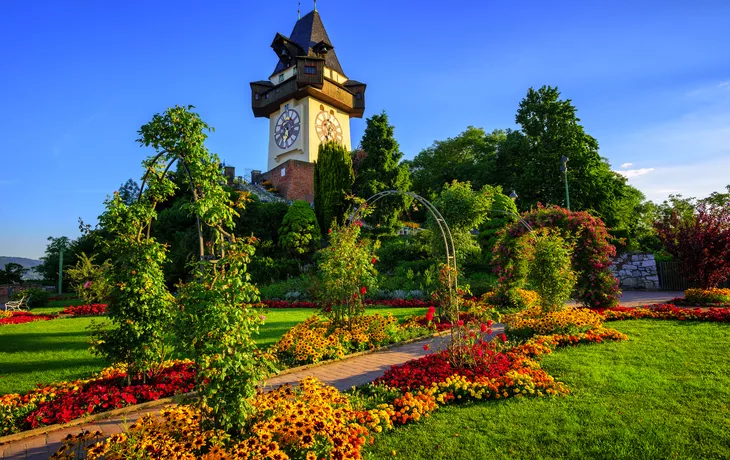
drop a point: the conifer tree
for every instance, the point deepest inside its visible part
(333, 180)
(379, 169)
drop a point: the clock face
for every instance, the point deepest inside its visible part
(287, 128)
(328, 127)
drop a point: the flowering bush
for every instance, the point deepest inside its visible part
(66, 401)
(707, 296)
(20, 317)
(5, 314)
(311, 421)
(514, 299)
(596, 286)
(392, 303)
(535, 321)
(666, 311)
(96, 309)
(315, 339)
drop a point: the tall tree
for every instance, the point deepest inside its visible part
(12, 274)
(129, 191)
(550, 130)
(468, 157)
(333, 180)
(378, 169)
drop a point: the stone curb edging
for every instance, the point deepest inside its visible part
(178, 398)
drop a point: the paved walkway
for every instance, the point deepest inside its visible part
(341, 374)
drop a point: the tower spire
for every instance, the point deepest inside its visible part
(299, 10)
(315, 5)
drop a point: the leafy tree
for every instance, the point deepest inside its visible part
(468, 157)
(12, 274)
(378, 169)
(333, 180)
(299, 232)
(701, 242)
(463, 209)
(346, 271)
(532, 159)
(129, 191)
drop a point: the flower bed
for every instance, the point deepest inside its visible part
(393, 303)
(667, 311)
(569, 320)
(707, 296)
(20, 317)
(315, 339)
(97, 309)
(66, 401)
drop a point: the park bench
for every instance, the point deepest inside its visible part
(17, 305)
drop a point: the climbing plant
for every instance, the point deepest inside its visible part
(596, 286)
(213, 314)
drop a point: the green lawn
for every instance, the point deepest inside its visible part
(664, 394)
(56, 350)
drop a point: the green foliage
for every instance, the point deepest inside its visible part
(394, 251)
(12, 274)
(38, 296)
(129, 191)
(596, 286)
(216, 323)
(346, 272)
(89, 280)
(379, 170)
(463, 210)
(290, 289)
(550, 271)
(466, 158)
(333, 180)
(503, 213)
(299, 232)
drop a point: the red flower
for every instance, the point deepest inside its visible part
(489, 323)
(427, 347)
(373, 261)
(363, 290)
(429, 316)
(503, 337)
(483, 328)
(329, 231)
(460, 322)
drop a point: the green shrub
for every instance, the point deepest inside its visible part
(291, 289)
(299, 232)
(550, 271)
(89, 279)
(38, 296)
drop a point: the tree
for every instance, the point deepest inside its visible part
(503, 213)
(550, 272)
(701, 242)
(532, 159)
(378, 169)
(12, 274)
(333, 180)
(299, 232)
(129, 191)
(463, 209)
(468, 157)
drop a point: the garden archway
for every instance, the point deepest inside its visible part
(596, 287)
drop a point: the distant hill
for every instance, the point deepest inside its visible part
(26, 263)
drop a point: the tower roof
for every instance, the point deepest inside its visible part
(310, 35)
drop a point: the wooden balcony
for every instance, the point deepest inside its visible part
(266, 100)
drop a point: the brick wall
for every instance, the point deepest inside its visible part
(294, 179)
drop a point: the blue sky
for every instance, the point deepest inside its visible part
(650, 79)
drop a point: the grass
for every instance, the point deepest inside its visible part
(44, 352)
(665, 393)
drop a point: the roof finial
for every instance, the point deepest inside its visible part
(315, 5)
(299, 10)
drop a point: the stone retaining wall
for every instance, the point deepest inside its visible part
(636, 271)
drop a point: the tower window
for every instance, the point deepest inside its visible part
(257, 96)
(358, 96)
(310, 70)
(281, 78)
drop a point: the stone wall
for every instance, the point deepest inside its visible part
(294, 179)
(636, 272)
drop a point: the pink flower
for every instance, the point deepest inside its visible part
(263, 318)
(87, 285)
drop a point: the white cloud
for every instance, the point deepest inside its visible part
(695, 179)
(627, 165)
(629, 173)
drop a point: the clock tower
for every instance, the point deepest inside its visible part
(308, 100)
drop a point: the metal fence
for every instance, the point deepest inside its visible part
(670, 278)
